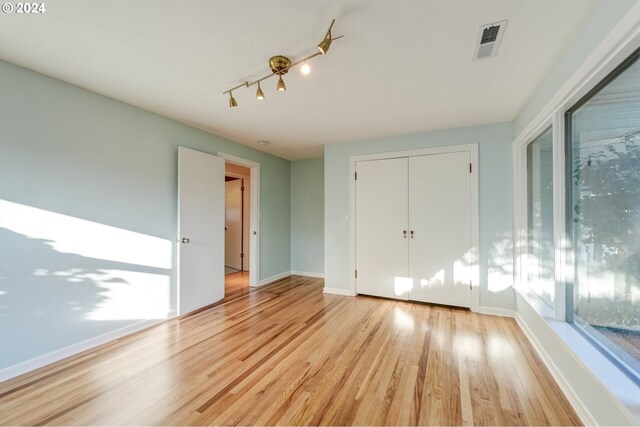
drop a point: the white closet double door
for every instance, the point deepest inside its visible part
(413, 228)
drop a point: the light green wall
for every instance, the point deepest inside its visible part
(307, 216)
(73, 152)
(494, 146)
(603, 17)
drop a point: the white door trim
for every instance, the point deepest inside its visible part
(254, 213)
(475, 224)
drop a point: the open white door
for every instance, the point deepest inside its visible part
(233, 224)
(200, 230)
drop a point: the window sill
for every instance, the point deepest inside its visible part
(624, 392)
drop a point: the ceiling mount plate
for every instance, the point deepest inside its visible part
(279, 64)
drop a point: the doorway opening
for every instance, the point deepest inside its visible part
(242, 249)
(237, 229)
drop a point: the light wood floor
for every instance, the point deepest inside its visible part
(236, 284)
(288, 354)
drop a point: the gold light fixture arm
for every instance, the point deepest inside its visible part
(333, 21)
(246, 84)
(284, 70)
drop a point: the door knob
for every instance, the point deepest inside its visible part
(404, 234)
(412, 234)
(185, 240)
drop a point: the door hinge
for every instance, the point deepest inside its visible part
(356, 176)
(242, 188)
(470, 285)
(356, 274)
(241, 255)
(470, 167)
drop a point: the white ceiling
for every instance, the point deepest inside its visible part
(403, 67)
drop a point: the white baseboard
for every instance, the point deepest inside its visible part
(338, 291)
(274, 278)
(57, 355)
(503, 312)
(307, 274)
(578, 405)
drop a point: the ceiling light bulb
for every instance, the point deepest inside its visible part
(232, 101)
(281, 87)
(305, 69)
(259, 93)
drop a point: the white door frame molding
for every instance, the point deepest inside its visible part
(254, 213)
(475, 224)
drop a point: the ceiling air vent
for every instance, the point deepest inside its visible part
(488, 40)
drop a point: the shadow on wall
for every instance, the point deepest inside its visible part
(52, 296)
(497, 266)
(500, 263)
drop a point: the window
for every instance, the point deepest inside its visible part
(603, 212)
(540, 254)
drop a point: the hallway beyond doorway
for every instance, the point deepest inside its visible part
(236, 284)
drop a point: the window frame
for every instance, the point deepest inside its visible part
(592, 368)
(557, 310)
(525, 288)
(569, 285)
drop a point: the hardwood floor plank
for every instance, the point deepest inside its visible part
(287, 354)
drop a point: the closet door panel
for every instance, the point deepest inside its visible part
(440, 228)
(381, 218)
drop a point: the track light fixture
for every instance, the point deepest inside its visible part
(259, 93)
(325, 44)
(280, 65)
